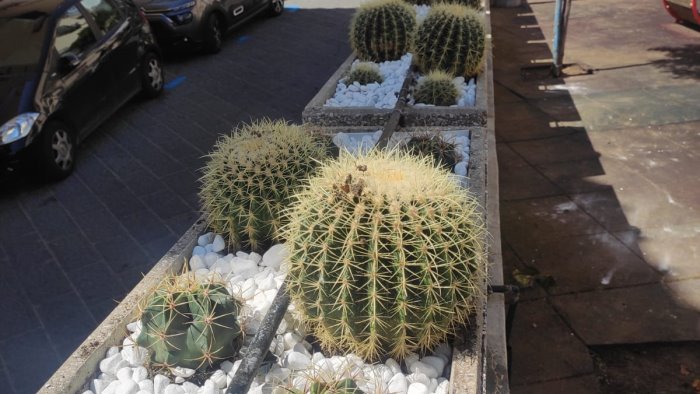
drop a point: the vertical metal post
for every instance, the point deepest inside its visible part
(561, 20)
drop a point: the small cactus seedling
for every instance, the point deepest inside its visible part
(442, 151)
(437, 88)
(382, 30)
(249, 178)
(364, 73)
(451, 39)
(190, 324)
(386, 254)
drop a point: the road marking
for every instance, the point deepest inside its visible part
(175, 82)
(292, 7)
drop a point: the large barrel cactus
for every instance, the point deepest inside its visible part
(387, 254)
(451, 39)
(190, 324)
(249, 178)
(382, 30)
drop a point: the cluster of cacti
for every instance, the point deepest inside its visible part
(364, 73)
(437, 88)
(442, 151)
(468, 3)
(190, 324)
(382, 30)
(345, 386)
(249, 178)
(386, 254)
(451, 39)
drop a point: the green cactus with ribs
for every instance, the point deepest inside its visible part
(249, 178)
(382, 30)
(437, 88)
(386, 254)
(364, 73)
(190, 324)
(451, 39)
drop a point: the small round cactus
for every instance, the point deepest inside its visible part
(190, 324)
(443, 152)
(364, 73)
(386, 254)
(469, 3)
(249, 177)
(382, 30)
(451, 39)
(437, 88)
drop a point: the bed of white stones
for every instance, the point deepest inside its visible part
(377, 95)
(255, 279)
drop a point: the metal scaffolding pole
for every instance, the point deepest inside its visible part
(561, 20)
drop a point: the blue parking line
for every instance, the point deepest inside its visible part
(292, 7)
(243, 38)
(175, 82)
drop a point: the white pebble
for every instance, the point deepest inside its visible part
(296, 361)
(124, 374)
(277, 374)
(275, 256)
(88, 392)
(291, 339)
(205, 239)
(219, 244)
(160, 382)
(127, 387)
(199, 251)
(210, 258)
(197, 262)
(208, 388)
(219, 378)
(393, 365)
(418, 378)
(174, 389)
(99, 385)
(244, 268)
(436, 362)
(111, 365)
(179, 380)
(418, 388)
(398, 383)
(226, 366)
(114, 350)
(443, 349)
(443, 387)
(182, 372)
(190, 388)
(135, 355)
(146, 385)
(461, 168)
(410, 359)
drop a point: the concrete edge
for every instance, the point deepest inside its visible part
(75, 373)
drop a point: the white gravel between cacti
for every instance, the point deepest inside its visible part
(256, 280)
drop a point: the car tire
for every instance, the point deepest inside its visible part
(55, 151)
(276, 8)
(213, 33)
(151, 75)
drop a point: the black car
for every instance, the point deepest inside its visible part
(202, 22)
(65, 66)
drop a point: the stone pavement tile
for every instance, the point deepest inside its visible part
(95, 282)
(575, 176)
(5, 379)
(585, 262)
(30, 360)
(648, 313)
(74, 195)
(74, 252)
(66, 319)
(14, 222)
(532, 125)
(543, 347)
(165, 204)
(143, 225)
(16, 310)
(511, 262)
(155, 249)
(547, 217)
(43, 279)
(518, 180)
(576, 146)
(52, 221)
(672, 250)
(99, 225)
(101, 309)
(505, 95)
(585, 384)
(688, 292)
(181, 223)
(605, 207)
(123, 254)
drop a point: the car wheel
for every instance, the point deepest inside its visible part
(56, 151)
(276, 7)
(151, 75)
(213, 34)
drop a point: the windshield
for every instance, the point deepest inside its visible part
(21, 39)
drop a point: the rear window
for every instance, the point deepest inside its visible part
(105, 15)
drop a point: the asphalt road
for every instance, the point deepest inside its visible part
(69, 251)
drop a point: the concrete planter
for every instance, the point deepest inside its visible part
(315, 113)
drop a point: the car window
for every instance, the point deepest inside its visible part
(105, 15)
(73, 34)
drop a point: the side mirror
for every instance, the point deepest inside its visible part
(67, 63)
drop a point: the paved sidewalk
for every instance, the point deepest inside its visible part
(600, 190)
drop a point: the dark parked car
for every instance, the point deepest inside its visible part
(65, 66)
(202, 21)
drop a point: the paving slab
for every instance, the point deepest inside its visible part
(543, 347)
(640, 314)
(672, 251)
(586, 384)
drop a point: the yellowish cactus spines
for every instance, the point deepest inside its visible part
(386, 254)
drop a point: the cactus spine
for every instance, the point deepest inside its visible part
(451, 39)
(386, 254)
(442, 151)
(190, 324)
(249, 178)
(437, 88)
(382, 30)
(364, 73)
